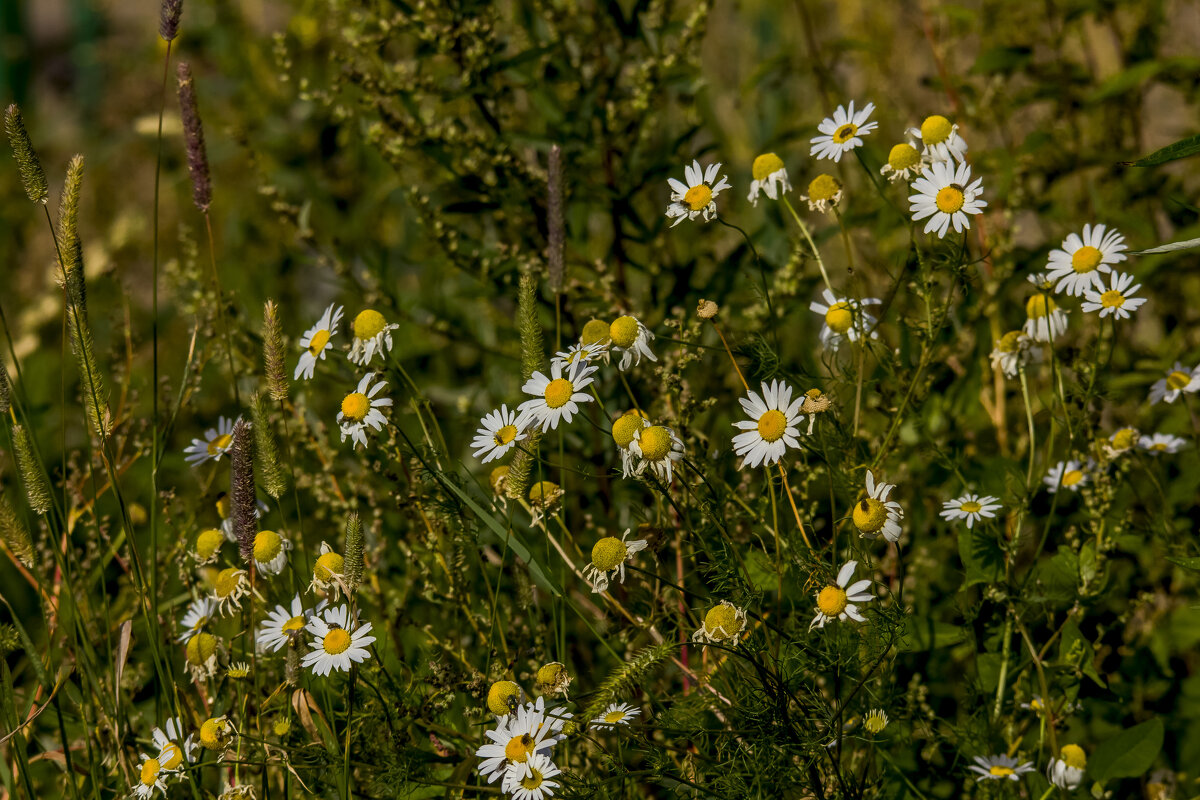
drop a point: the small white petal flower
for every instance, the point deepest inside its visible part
(1117, 300)
(1044, 320)
(372, 334)
(360, 411)
(1081, 262)
(940, 140)
(844, 318)
(608, 560)
(1160, 443)
(497, 434)
(616, 714)
(1066, 771)
(631, 340)
(772, 427)
(770, 176)
(875, 515)
(999, 767)
(282, 626)
(1067, 475)
(337, 643)
(1014, 350)
(970, 507)
(1179, 379)
(216, 443)
(697, 194)
(657, 447)
(200, 612)
(316, 341)
(945, 194)
(840, 133)
(556, 398)
(837, 600)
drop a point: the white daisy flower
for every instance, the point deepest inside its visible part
(698, 196)
(1044, 320)
(999, 767)
(497, 434)
(174, 750)
(1179, 379)
(946, 194)
(1014, 350)
(229, 588)
(360, 410)
(336, 643)
(200, 656)
(840, 133)
(315, 342)
(903, 163)
(270, 552)
(327, 571)
(555, 398)
(657, 447)
(1035, 704)
(530, 780)
(1067, 474)
(1118, 300)
(771, 429)
(940, 139)
(970, 507)
(151, 778)
(1079, 265)
(616, 714)
(845, 319)
(1066, 771)
(875, 515)
(723, 624)
(532, 729)
(824, 192)
(770, 176)
(372, 334)
(282, 626)
(624, 430)
(200, 612)
(216, 443)
(1123, 440)
(631, 339)
(581, 352)
(837, 600)
(1162, 443)
(609, 556)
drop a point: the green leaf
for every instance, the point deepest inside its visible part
(1192, 563)
(926, 634)
(1128, 754)
(1075, 651)
(1172, 152)
(982, 558)
(1167, 248)
(1002, 59)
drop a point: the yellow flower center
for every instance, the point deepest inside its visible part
(336, 641)
(317, 343)
(543, 491)
(1159, 447)
(1035, 704)
(875, 721)
(845, 133)
(823, 188)
(1001, 772)
(150, 771)
(558, 392)
(869, 515)
(503, 697)
(624, 331)
(223, 506)
(1177, 380)
(722, 622)
(839, 317)
(655, 443)
(832, 600)
(267, 545)
(368, 324)
(208, 542)
(328, 565)
(1112, 299)
(971, 507)
(213, 733)
(772, 425)
(1039, 306)
(505, 435)
(552, 674)
(903, 156)
(219, 444)
(595, 332)
(1124, 438)
(228, 580)
(171, 756)
(614, 716)
(294, 624)
(698, 197)
(355, 406)
(936, 129)
(950, 199)
(497, 475)
(1072, 477)
(281, 727)
(1085, 259)
(519, 748)
(765, 166)
(1073, 756)
(624, 428)
(1010, 342)
(608, 553)
(533, 780)
(200, 648)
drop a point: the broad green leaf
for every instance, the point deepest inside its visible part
(1172, 152)
(1128, 754)
(1192, 563)
(981, 557)
(1167, 248)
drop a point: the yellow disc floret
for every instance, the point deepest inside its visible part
(1072, 477)
(624, 428)
(845, 133)
(150, 770)
(1039, 306)
(543, 492)
(970, 507)
(903, 156)
(1073, 756)
(336, 641)
(355, 406)
(267, 545)
(839, 317)
(505, 435)
(498, 477)
(1112, 299)
(533, 780)
(950, 199)
(171, 756)
(595, 332)
(869, 515)
(1124, 438)
(721, 622)
(608, 553)
(503, 698)
(824, 188)
(317, 343)
(655, 442)
(558, 392)
(1001, 772)
(832, 600)
(214, 733)
(554, 674)
(1177, 380)
(1010, 342)
(208, 543)
(228, 580)
(772, 425)
(1086, 259)
(936, 129)
(200, 648)
(219, 444)
(328, 565)
(368, 324)
(765, 166)
(519, 748)
(624, 331)
(698, 197)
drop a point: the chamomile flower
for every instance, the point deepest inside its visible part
(216, 733)
(999, 767)
(1159, 443)
(497, 434)
(553, 678)
(151, 778)
(543, 497)
(770, 176)
(1066, 771)
(631, 340)
(1179, 379)
(840, 133)
(1068, 475)
(200, 612)
(372, 334)
(940, 139)
(555, 398)
(337, 643)
(616, 714)
(875, 721)
(238, 671)
(844, 318)
(504, 698)
(1117, 300)
(824, 193)
(837, 600)
(624, 430)
(724, 623)
(315, 342)
(360, 410)
(201, 655)
(1013, 351)
(519, 736)
(282, 626)
(1035, 704)
(875, 515)
(174, 750)
(903, 163)
(327, 571)
(945, 194)
(657, 447)
(583, 353)
(1079, 265)
(771, 429)
(1044, 320)
(608, 560)
(230, 586)
(530, 780)
(270, 552)
(207, 546)
(1122, 441)
(216, 443)
(697, 194)
(970, 507)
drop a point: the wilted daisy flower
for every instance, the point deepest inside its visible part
(238, 671)
(836, 601)
(530, 779)
(945, 194)
(771, 429)
(875, 515)
(282, 626)
(372, 334)
(553, 678)
(174, 750)
(216, 733)
(517, 737)
(504, 698)
(555, 398)
(201, 655)
(360, 410)
(970, 507)
(724, 623)
(876, 720)
(1118, 300)
(698, 196)
(903, 162)
(595, 332)
(814, 403)
(631, 339)
(1162, 443)
(616, 714)
(1078, 266)
(1123, 440)
(1044, 320)
(845, 318)
(207, 546)
(327, 571)
(199, 613)
(609, 556)
(840, 133)
(497, 434)
(1067, 474)
(656, 447)
(543, 496)
(999, 767)
(1066, 771)
(270, 552)
(216, 443)
(498, 480)
(229, 588)
(337, 643)
(315, 342)
(1179, 379)
(151, 777)
(581, 352)
(940, 139)
(824, 192)
(623, 432)
(1014, 350)
(770, 175)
